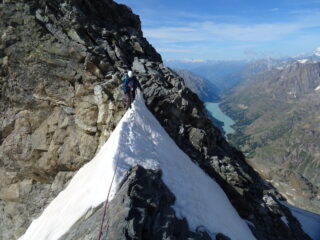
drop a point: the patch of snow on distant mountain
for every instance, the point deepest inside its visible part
(317, 88)
(317, 52)
(303, 61)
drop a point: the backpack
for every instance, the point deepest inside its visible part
(132, 85)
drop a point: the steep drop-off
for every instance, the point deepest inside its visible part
(205, 90)
(62, 65)
(278, 122)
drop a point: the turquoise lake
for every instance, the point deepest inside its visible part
(216, 112)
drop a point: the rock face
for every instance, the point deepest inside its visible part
(141, 209)
(62, 65)
(278, 127)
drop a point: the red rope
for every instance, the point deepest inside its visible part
(106, 202)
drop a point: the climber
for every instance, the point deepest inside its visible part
(130, 85)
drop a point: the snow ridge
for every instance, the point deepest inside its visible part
(309, 221)
(140, 139)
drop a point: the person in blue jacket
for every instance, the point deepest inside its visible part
(130, 85)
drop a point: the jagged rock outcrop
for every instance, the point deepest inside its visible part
(62, 64)
(141, 209)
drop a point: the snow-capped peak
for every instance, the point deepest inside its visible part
(140, 139)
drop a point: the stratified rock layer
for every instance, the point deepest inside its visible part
(62, 65)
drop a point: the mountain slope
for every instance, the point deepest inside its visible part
(277, 115)
(140, 140)
(222, 74)
(62, 66)
(206, 90)
(225, 75)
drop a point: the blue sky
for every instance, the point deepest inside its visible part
(229, 29)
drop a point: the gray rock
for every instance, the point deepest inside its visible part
(138, 66)
(220, 236)
(141, 209)
(197, 137)
(54, 118)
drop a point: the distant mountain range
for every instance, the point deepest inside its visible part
(225, 75)
(278, 127)
(206, 90)
(276, 106)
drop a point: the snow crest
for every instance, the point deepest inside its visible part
(140, 139)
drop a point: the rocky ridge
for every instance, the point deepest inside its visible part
(62, 64)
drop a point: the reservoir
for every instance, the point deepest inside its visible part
(215, 111)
